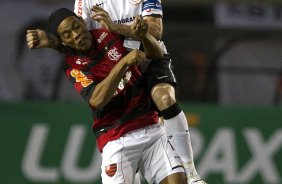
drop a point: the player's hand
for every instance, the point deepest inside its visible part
(102, 17)
(36, 39)
(135, 57)
(139, 27)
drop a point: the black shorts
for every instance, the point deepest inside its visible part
(159, 71)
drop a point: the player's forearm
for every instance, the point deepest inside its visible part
(122, 29)
(155, 30)
(151, 47)
(125, 30)
(155, 26)
(105, 90)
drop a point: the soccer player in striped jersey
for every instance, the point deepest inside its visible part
(117, 16)
(107, 76)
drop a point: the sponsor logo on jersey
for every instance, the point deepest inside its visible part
(165, 76)
(113, 54)
(124, 21)
(79, 9)
(102, 37)
(81, 78)
(127, 76)
(123, 82)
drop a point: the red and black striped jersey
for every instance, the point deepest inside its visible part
(130, 108)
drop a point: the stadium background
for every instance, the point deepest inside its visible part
(228, 62)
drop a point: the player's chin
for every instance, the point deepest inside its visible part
(81, 48)
(84, 44)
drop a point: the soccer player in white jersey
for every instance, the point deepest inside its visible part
(117, 16)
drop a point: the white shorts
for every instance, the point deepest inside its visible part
(146, 150)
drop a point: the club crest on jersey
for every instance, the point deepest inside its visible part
(113, 54)
(135, 2)
(111, 170)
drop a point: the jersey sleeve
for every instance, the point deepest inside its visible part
(83, 82)
(152, 7)
(82, 9)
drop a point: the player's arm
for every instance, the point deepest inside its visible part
(38, 38)
(105, 90)
(97, 93)
(155, 25)
(150, 45)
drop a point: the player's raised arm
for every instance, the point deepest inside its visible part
(155, 27)
(104, 91)
(37, 39)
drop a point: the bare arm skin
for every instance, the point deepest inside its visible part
(148, 30)
(155, 26)
(105, 90)
(150, 44)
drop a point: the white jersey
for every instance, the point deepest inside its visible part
(120, 11)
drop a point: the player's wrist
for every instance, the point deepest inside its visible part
(52, 41)
(144, 36)
(112, 27)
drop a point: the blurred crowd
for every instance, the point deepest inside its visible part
(214, 62)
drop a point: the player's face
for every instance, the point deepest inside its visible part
(74, 34)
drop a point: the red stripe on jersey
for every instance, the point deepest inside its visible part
(140, 122)
(129, 96)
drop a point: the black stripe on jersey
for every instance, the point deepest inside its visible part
(131, 92)
(99, 56)
(86, 93)
(134, 113)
